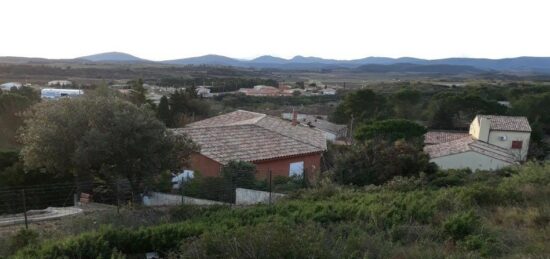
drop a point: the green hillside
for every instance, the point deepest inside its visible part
(454, 214)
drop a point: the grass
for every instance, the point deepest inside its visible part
(486, 214)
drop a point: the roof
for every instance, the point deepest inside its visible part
(436, 137)
(467, 144)
(323, 125)
(507, 123)
(250, 136)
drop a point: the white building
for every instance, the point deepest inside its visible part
(493, 142)
(8, 86)
(203, 91)
(52, 93)
(60, 83)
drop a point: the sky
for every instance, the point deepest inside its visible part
(342, 29)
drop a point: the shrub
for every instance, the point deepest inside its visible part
(21, 239)
(460, 225)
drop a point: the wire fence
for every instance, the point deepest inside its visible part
(22, 205)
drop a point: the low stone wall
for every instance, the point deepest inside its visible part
(249, 197)
(165, 199)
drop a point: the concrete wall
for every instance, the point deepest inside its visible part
(165, 199)
(521, 154)
(472, 160)
(249, 197)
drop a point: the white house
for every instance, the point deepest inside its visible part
(8, 86)
(60, 83)
(493, 142)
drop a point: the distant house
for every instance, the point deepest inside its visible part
(331, 130)
(328, 91)
(272, 144)
(493, 142)
(60, 83)
(265, 90)
(203, 91)
(52, 93)
(8, 86)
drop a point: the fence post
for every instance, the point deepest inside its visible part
(25, 208)
(117, 198)
(270, 186)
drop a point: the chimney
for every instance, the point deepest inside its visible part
(294, 118)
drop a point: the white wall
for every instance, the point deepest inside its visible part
(249, 197)
(165, 199)
(472, 160)
(494, 138)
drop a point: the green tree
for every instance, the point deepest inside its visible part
(391, 130)
(138, 92)
(12, 105)
(103, 137)
(163, 111)
(376, 162)
(406, 103)
(446, 109)
(535, 107)
(363, 105)
(185, 107)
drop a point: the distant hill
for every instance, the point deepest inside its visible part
(418, 68)
(471, 65)
(206, 60)
(113, 57)
(380, 64)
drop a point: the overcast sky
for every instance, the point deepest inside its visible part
(341, 29)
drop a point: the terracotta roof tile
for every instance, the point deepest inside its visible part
(507, 123)
(249, 136)
(467, 144)
(436, 137)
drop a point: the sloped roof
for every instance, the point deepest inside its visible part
(436, 137)
(250, 136)
(467, 144)
(323, 125)
(507, 123)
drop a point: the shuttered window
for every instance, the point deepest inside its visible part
(517, 144)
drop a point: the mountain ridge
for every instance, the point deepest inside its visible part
(473, 65)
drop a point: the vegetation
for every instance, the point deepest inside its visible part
(485, 214)
(377, 162)
(12, 105)
(391, 130)
(227, 84)
(102, 138)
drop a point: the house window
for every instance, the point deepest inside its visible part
(517, 144)
(296, 169)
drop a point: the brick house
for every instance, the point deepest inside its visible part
(272, 144)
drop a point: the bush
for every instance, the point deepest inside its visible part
(210, 188)
(460, 225)
(21, 239)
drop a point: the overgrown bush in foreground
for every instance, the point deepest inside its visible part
(474, 219)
